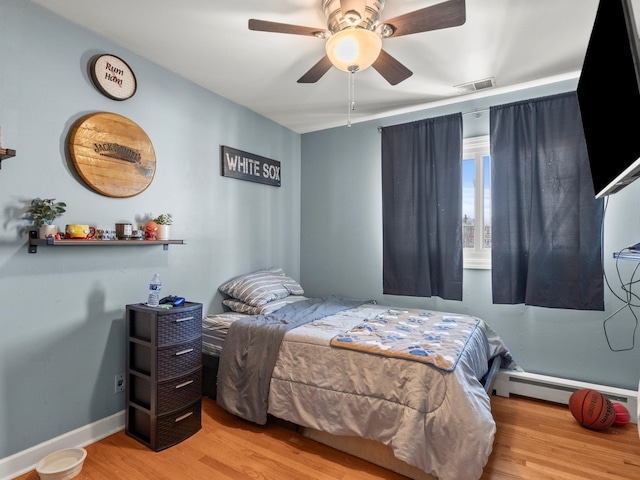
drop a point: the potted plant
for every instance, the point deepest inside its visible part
(43, 212)
(163, 220)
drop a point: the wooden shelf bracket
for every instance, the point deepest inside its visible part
(6, 153)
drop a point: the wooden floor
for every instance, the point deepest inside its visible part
(534, 440)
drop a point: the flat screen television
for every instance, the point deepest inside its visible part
(609, 98)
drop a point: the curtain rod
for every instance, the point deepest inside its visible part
(477, 113)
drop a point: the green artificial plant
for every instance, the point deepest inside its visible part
(45, 211)
(164, 219)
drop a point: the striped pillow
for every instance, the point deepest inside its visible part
(241, 307)
(261, 287)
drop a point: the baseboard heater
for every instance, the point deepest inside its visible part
(558, 390)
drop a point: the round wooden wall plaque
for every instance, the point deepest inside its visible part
(112, 154)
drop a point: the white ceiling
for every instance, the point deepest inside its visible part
(517, 42)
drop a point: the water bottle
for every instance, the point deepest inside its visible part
(154, 291)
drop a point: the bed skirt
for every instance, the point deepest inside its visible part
(369, 450)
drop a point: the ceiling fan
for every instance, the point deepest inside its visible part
(354, 35)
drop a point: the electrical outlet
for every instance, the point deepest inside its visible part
(119, 383)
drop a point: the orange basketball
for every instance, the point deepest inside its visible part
(592, 409)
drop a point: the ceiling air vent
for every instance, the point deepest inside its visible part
(475, 86)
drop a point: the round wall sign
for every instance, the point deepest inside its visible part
(112, 77)
(112, 154)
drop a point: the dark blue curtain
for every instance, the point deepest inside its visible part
(422, 208)
(546, 243)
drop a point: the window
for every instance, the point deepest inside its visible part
(476, 202)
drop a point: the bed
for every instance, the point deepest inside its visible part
(329, 366)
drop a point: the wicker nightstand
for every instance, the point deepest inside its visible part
(164, 374)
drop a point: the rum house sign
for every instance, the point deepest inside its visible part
(112, 77)
(250, 167)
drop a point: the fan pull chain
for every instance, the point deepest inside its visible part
(351, 102)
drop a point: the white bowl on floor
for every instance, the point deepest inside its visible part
(61, 465)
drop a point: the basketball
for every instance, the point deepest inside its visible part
(622, 415)
(592, 409)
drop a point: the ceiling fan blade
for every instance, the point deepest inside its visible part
(316, 72)
(442, 15)
(353, 5)
(275, 27)
(391, 69)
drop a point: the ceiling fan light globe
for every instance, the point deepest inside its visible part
(353, 47)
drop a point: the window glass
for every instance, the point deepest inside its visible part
(476, 202)
(468, 202)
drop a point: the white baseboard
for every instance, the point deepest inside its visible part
(559, 390)
(25, 461)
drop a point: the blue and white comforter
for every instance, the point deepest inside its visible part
(432, 419)
(436, 420)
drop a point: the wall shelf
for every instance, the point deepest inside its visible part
(6, 153)
(628, 255)
(35, 242)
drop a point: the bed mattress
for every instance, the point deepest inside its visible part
(438, 421)
(214, 331)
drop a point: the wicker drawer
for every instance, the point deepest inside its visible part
(175, 360)
(175, 427)
(164, 372)
(162, 327)
(176, 393)
(179, 325)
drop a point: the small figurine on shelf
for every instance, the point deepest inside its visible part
(150, 230)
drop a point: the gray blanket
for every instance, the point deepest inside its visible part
(251, 348)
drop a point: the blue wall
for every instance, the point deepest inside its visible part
(62, 321)
(341, 251)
